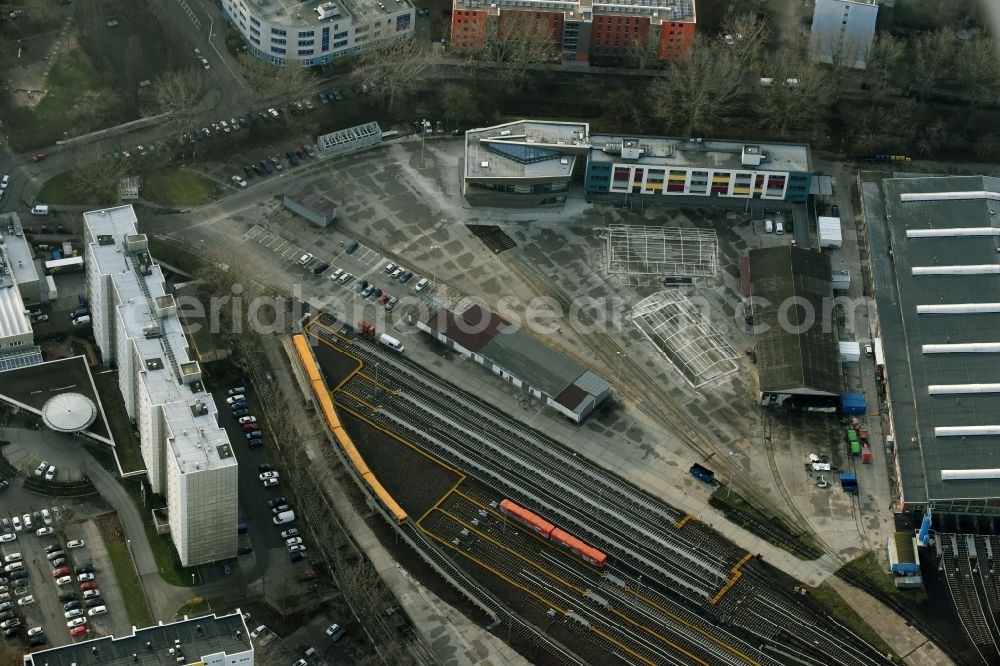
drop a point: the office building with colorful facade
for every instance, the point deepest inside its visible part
(619, 167)
(582, 29)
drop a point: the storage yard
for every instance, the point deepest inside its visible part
(670, 590)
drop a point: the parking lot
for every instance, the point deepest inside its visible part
(354, 267)
(33, 591)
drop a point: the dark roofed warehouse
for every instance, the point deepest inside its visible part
(519, 358)
(797, 352)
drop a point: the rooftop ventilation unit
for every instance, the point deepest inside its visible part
(327, 10)
(752, 156)
(631, 150)
(199, 409)
(151, 332)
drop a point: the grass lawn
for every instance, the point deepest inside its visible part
(167, 559)
(193, 607)
(118, 422)
(136, 604)
(79, 99)
(59, 190)
(173, 187)
(868, 566)
(844, 614)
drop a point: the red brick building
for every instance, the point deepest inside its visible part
(582, 29)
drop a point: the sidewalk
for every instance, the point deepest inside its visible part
(452, 637)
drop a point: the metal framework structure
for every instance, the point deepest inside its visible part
(666, 251)
(682, 332)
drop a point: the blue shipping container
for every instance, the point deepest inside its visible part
(853, 403)
(703, 473)
(56, 254)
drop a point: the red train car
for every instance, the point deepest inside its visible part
(549, 531)
(577, 547)
(528, 519)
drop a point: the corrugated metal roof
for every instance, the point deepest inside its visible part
(13, 321)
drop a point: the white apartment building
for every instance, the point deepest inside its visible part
(306, 34)
(188, 456)
(843, 29)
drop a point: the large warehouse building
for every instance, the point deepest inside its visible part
(519, 358)
(188, 456)
(797, 353)
(935, 251)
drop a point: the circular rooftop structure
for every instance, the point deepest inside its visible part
(69, 412)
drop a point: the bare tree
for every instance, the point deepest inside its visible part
(96, 176)
(699, 92)
(643, 52)
(799, 97)
(459, 103)
(273, 81)
(885, 55)
(977, 69)
(392, 71)
(934, 56)
(179, 91)
(748, 34)
(511, 43)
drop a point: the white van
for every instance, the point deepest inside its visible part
(768, 226)
(779, 227)
(40, 209)
(284, 517)
(391, 342)
(80, 321)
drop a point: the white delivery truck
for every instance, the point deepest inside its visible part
(391, 342)
(40, 209)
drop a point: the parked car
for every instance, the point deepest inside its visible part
(90, 594)
(366, 291)
(290, 532)
(77, 631)
(266, 166)
(248, 419)
(298, 548)
(239, 181)
(60, 572)
(233, 399)
(36, 631)
(250, 427)
(405, 277)
(84, 568)
(42, 468)
(70, 605)
(75, 543)
(352, 247)
(13, 557)
(65, 580)
(256, 434)
(85, 577)
(238, 406)
(267, 475)
(292, 541)
(97, 610)
(305, 576)
(321, 268)
(239, 413)
(93, 603)
(26, 600)
(55, 554)
(76, 622)
(92, 585)
(53, 548)
(50, 474)
(68, 596)
(44, 531)
(297, 557)
(421, 284)
(276, 502)
(6, 538)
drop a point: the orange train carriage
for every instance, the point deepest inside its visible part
(547, 530)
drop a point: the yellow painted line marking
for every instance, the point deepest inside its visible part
(581, 591)
(401, 440)
(677, 618)
(316, 322)
(364, 402)
(683, 521)
(377, 383)
(606, 636)
(662, 639)
(441, 500)
(732, 581)
(533, 534)
(499, 574)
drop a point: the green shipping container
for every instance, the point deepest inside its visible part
(855, 448)
(852, 435)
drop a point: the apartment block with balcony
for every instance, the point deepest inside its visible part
(582, 29)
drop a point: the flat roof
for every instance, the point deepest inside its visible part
(519, 353)
(196, 637)
(21, 259)
(940, 287)
(525, 149)
(682, 11)
(707, 153)
(31, 387)
(302, 13)
(793, 355)
(156, 336)
(312, 198)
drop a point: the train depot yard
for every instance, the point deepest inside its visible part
(643, 583)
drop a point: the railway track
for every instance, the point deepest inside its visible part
(649, 553)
